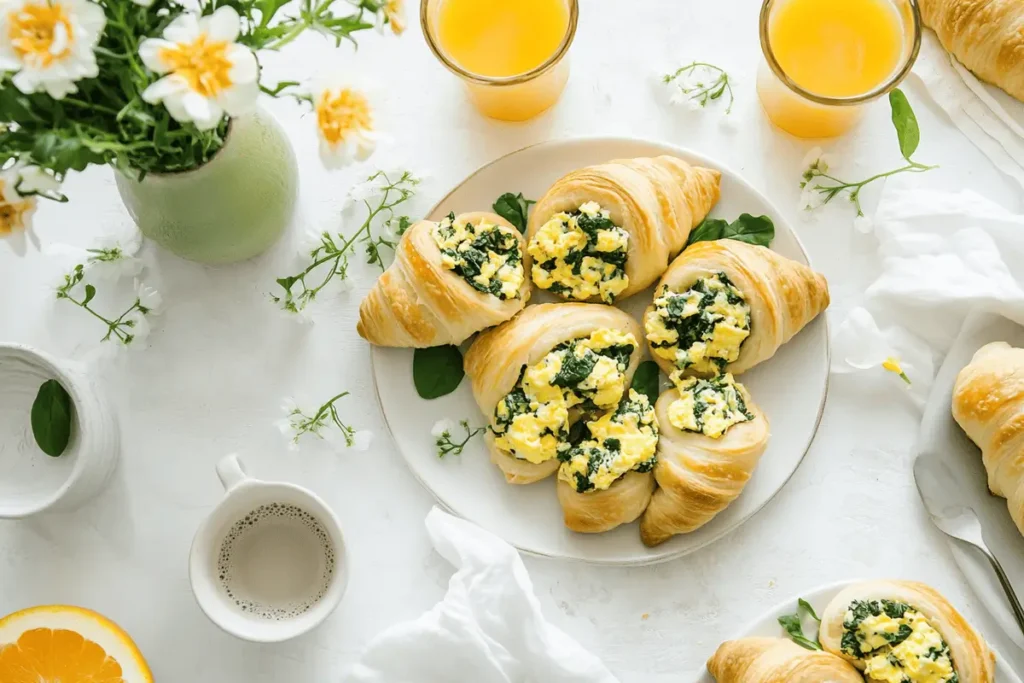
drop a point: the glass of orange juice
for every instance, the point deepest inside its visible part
(510, 53)
(824, 59)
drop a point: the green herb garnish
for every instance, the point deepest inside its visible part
(513, 208)
(437, 370)
(793, 626)
(445, 444)
(51, 418)
(757, 230)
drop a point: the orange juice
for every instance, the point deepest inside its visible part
(501, 44)
(832, 49)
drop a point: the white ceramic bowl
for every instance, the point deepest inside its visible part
(30, 480)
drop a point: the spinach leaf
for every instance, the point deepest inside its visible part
(757, 230)
(791, 623)
(437, 371)
(51, 418)
(905, 122)
(645, 380)
(513, 208)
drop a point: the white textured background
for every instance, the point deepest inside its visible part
(221, 358)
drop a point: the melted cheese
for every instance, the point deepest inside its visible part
(922, 657)
(718, 397)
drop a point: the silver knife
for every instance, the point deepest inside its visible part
(934, 482)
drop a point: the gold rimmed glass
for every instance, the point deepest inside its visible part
(510, 98)
(811, 115)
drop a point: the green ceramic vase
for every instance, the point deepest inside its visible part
(230, 209)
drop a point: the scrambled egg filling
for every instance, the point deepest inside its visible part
(619, 441)
(532, 421)
(701, 328)
(581, 255)
(486, 255)
(896, 643)
(708, 406)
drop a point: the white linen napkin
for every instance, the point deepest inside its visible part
(942, 255)
(986, 115)
(488, 629)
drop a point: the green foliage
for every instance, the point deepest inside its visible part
(903, 119)
(701, 83)
(447, 445)
(750, 229)
(437, 370)
(514, 208)
(793, 626)
(645, 380)
(107, 122)
(51, 418)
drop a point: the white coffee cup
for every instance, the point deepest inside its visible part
(269, 562)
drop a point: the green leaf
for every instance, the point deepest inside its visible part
(905, 122)
(437, 371)
(759, 230)
(646, 380)
(90, 292)
(51, 418)
(268, 8)
(791, 624)
(514, 208)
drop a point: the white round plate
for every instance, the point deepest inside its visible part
(767, 626)
(790, 388)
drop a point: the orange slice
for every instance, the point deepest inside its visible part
(58, 644)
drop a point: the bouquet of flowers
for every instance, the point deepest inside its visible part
(149, 86)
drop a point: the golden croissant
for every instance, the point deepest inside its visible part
(540, 373)
(985, 35)
(712, 437)
(892, 630)
(605, 232)
(449, 280)
(777, 660)
(725, 306)
(988, 404)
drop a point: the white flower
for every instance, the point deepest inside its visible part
(684, 100)
(391, 13)
(149, 299)
(17, 209)
(108, 262)
(816, 159)
(361, 440)
(49, 43)
(440, 427)
(207, 73)
(344, 121)
(863, 224)
(140, 328)
(811, 198)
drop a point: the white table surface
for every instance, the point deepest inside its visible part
(221, 358)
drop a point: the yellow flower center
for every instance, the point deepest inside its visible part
(393, 11)
(41, 33)
(342, 113)
(203, 63)
(12, 213)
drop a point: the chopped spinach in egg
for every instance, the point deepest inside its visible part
(485, 255)
(620, 441)
(708, 406)
(896, 643)
(581, 255)
(701, 328)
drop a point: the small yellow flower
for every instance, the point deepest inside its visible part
(892, 364)
(393, 11)
(15, 210)
(344, 120)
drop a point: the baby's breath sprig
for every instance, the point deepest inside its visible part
(908, 133)
(297, 423)
(132, 325)
(442, 434)
(381, 194)
(698, 84)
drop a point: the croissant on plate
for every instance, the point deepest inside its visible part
(777, 660)
(449, 280)
(893, 630)
(985, 35)
(725, 306)
(712, 437)
(541, 373)
(605, 232)
(988, 404)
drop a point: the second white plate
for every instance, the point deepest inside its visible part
(790, 388)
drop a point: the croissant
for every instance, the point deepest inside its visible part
(732, 305)
(895, 629)
(985, 35)
(699, 474)
(518, 380)
(987, 399)
(777, 660)
(606, 232)
(448, 281)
